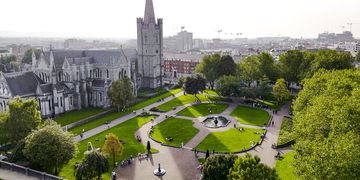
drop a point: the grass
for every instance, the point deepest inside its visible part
(186, 99)
(284, 168)
(76, 115)
(212, 92)
(285, 131)
(98, 122)
(181, 130)
(232, 140)
(148, 92)
(125, 131)
(198, 110)
(251, 116)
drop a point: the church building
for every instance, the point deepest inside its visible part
(65, 80)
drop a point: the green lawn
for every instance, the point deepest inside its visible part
(203, 109)
(125, 131)
(284, 168)
(285, 131)
(181, 130)
(212, 92)
(147, 92)
(76, 115)
(232, 140)
(95, 123)
(186, 99)
(251, 116)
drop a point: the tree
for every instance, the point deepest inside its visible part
(121, 93)
(208, 66)
(331, 60)
(194, 85)
(148, 147)
(23, 117)
(28, 55)
(112, 146)
(3, 117)
(249, 69)
(289, 65)
(217, 167)
(267, 66)
(227, 66)
(357, 58)
(94, 165)
(181, 81)
(327, 126)
(49, 147)
(228, 85)
(250, 168)
(280, 91)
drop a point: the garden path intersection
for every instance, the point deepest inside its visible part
(181, 163)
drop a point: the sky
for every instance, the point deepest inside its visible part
(117, 18)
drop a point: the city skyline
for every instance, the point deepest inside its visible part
(117, 19)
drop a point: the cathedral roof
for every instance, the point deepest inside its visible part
(91, 56)
(149, 16)
(22, 83)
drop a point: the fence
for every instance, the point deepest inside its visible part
(27, 171)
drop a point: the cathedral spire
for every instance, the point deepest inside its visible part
(149, 16)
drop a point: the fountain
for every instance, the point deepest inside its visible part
(159, 172)
(216, 122)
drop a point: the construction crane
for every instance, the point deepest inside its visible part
(350, 25)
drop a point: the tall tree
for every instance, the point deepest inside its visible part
(249, 69)
(289, 65)
(50, 147)
(228, 85)
(121, 93)
(280, 91)
(331, 60)
(28, 55)
(94, 165)
(357, 58)
(112, 146)
(218, 166)
(327, 126)
(227, 66)
(208, 66)
(194, 85)
(23, 118)
(267, 66)
(250, 168)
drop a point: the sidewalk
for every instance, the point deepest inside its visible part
(11, 175)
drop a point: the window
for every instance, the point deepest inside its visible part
(101, 97)
(90, 73)
(61, 101)
(107, 73)
(71, 100)
(49, 102)
(77, 76)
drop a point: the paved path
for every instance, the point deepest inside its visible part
(11, 175)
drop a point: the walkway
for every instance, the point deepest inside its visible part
(11, 175)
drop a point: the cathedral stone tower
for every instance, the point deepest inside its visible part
(150, 48)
